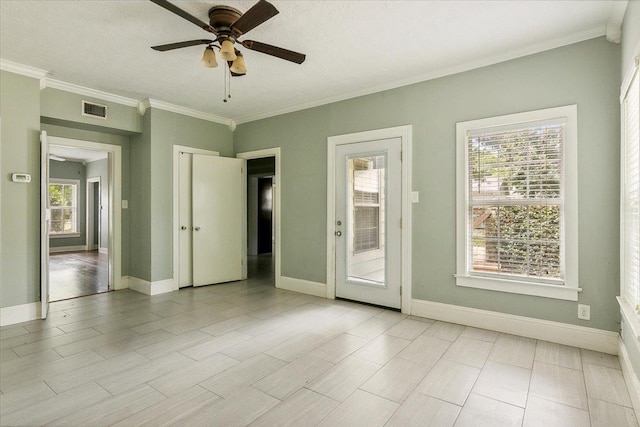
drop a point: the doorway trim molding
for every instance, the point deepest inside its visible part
(259, 154)
(114, 185)
(177, 149)
(405, 134)
(91, 225)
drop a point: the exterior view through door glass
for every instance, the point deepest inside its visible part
(368, 222)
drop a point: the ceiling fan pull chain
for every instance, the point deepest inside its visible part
(226, 85)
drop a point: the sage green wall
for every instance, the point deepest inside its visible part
(72, 170)
(100, 168)
(67, 106)
(20, 205)
(113, 139)
(140, 202)
(586, 74)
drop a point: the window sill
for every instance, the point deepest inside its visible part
(518, 287)
(630, 317)
(64, 236)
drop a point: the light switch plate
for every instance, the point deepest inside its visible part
(125, 204)
(415, 197)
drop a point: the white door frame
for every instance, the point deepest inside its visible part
(45, 218)
(405, 135)
(259, 154)
(177, 149)
(115, 202)
(91, 225)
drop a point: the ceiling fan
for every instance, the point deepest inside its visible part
(228, 24)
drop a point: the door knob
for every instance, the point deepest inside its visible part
(184, 227)
(338, 233)
(197, 228)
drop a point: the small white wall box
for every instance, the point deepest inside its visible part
(21, 177)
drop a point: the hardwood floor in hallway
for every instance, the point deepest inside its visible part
(76, 274)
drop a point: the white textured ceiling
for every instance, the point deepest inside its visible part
(78, 154)
(352, 47)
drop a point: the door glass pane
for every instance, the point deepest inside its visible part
(366, 202)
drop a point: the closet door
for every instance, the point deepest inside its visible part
(218, 192)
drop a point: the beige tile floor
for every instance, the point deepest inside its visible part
(246, 353)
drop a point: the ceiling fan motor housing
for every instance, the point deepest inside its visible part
(222, 17)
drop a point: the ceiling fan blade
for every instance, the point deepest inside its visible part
(278, 52)
(259, 13)
(171, 46)
(175, 9)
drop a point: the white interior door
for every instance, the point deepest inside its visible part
(368, 221)
(45, 218)
(186, 226)
(218, 197)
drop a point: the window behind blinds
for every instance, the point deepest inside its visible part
(367, 178)
(515, 200)
(631, 194)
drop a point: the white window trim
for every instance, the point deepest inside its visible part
(75, 182)
(569, 289)
(629, 312)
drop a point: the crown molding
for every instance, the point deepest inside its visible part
(166, 106)
(93, 93)
(471, 65)
(614, 24)
(25, 70)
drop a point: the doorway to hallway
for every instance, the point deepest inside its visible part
(263, 214)
(79, 227)
(260, 218)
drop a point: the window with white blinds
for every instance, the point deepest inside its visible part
(631, 194)
(512, 216)
(515, 200)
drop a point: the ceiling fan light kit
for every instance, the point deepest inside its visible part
(227, 50)
(228, 24)
(238, 65)
(209, 58)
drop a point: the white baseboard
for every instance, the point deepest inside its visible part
(561, 333)
(19, 313)
(151, 288)
(57, 249)
(103, 251)
(302, 286)
(630, 377)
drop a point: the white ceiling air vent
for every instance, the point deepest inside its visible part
(94, 110)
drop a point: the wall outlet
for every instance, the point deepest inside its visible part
(584, 312)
